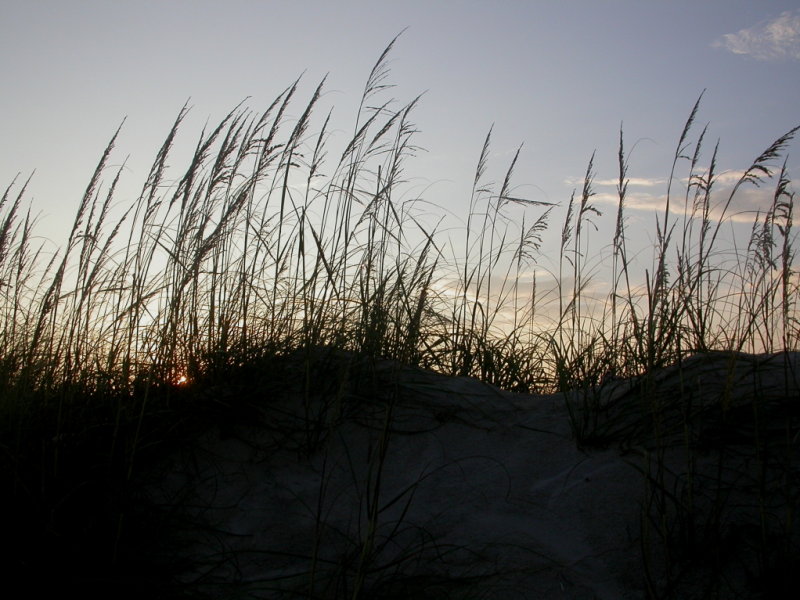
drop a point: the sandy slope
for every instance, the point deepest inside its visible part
(467, 492)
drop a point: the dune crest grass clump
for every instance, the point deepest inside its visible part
(271, 244)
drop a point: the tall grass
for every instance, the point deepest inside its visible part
(266, 245)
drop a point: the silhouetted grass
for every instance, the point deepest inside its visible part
(267, 251)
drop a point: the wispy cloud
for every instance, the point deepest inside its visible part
(772, 39)
(748, 201)
(632, 181)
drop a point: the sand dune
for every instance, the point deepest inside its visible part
(425, 486)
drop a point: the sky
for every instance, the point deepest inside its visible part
(560, 78)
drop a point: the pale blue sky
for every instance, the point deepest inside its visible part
(556, 76)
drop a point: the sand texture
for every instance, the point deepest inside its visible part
(398, 482)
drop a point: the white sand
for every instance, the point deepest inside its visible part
(481, 493)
